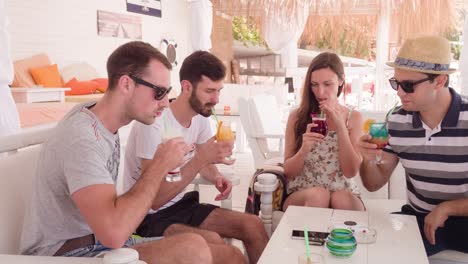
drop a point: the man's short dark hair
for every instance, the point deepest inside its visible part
(433, 76)
(132, 58)
(202, 63)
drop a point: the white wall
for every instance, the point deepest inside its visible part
(67, 30)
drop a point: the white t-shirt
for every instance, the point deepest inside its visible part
(144, 140)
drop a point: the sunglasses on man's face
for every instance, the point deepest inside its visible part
(160, 91)
(406, 86)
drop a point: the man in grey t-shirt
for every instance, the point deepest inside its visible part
(75, 210)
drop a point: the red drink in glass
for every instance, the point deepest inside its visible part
(380, 142)
(321, 122)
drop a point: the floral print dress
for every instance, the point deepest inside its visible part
(322, 169)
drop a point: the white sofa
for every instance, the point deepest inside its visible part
(17, 174)
(18, 157)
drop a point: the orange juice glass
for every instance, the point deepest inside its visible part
(225, 133)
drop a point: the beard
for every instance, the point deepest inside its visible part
(199, 107)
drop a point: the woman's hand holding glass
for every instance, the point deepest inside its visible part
(310, 139)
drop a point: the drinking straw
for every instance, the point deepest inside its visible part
(321, 114)
(214, 114)
(389, 113)
(307, 246)
(165, 126)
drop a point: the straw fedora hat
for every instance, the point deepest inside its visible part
(428, 54)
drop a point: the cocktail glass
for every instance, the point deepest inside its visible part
(321, 122)
(379, 134)
(224, 134)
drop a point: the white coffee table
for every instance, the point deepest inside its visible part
(398, 237)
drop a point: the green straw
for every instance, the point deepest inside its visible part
(321, 114)
(306, 240)
(214, 114)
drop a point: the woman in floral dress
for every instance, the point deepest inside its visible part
(320, 169)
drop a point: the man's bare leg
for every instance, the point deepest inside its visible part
(246, 227)
(210, 236)
(226, 254)
(221, 252)
(180, 249)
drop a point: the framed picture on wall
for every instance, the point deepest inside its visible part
(116, 25)
(145, 7)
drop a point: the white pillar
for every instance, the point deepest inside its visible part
(9, 120)
(289, 57)
(266, 184)
(201, 24)
(383, 26)
(463, 63)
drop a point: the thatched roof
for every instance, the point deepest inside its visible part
(424, 17)
(355, 21)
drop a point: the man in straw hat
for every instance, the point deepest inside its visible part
(428, 135)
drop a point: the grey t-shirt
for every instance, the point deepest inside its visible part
(80, 152)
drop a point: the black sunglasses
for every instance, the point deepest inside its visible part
(160, 91)
(406, 86)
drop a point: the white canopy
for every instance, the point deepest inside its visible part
(282, 35)
(9, 120)
(463, 63)
(201, 23)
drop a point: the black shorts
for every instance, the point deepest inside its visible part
(188, 211)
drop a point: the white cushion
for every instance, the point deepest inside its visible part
(82, 71)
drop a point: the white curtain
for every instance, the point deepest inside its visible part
(281, 33)
(201, 23)
(9, 120)
(463, 63)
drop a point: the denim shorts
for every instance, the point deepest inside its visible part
(98, 250)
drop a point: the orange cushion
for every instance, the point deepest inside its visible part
(47, 76)
(79, 88)
(22, 76)
(103, 83)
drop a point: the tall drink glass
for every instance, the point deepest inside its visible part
(225, 133)
(379, 134)
(321, 122)
(169, 133)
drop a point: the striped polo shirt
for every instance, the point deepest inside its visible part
(435, 160)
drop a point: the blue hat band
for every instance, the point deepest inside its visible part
(421, 65)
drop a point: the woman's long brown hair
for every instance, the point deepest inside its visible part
(309, 103)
